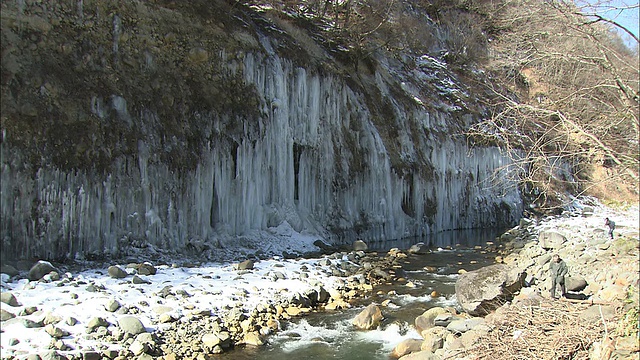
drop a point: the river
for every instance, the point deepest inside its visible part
(330, 335)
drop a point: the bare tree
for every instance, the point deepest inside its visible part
(571, 94)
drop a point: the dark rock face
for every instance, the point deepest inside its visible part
(484, 290)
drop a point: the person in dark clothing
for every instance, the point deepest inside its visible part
(558, 269)
(611, 224)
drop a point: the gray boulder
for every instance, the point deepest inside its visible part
(146, 269)
(95, 323)
(360, 245)
(427, 319)
(40, 269)
(419, 249)
(245, 265)
(131, 325)
(9, 270)
(551, 240)
(481, 291)
(464, 325)
(575, 283)
(6, 315)
(9, 299)
(117, 272)
(405, 347)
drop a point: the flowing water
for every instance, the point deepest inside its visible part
(330, 335)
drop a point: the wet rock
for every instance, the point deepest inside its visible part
(444, 319)
(40, 269)
(92, 355)
(369, 318)
(419, 249)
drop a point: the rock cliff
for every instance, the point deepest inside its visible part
(197, 124)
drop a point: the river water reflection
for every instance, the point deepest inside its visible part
(330, 335)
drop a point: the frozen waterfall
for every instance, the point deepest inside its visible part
(319, 163)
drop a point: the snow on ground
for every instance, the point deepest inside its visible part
(213, 286)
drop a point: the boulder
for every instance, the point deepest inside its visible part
(9, 270)
(421, 355)
(131, 325)
(575, 283)
(445, 319)
(253, 338)
(406, 346)
(245, 265)
(433, 339)
(426, 320)
(419, 249)
(9, 299)
(551, 240)
(146, 269)
(40, 269)
(117, 272)
(360, 245)
(483, 290)
(95, 323)
(6, 315)
(112, 305)
(369, 318)
(463, 325)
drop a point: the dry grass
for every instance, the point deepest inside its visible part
(550, 331)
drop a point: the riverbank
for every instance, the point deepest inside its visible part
(596, 319)
(188, 310)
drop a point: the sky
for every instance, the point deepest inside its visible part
(624, 12)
